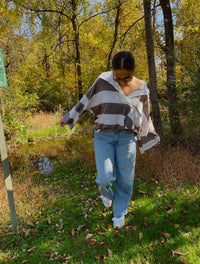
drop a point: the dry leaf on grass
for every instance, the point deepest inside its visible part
(31, 249)
(91, 242)
(25, 260)
(89, 236)
(178, 253)
(73, 232)
(30, 224)
(110, 254)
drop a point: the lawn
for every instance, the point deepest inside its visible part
(61, 217)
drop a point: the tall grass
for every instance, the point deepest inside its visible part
(173, 166)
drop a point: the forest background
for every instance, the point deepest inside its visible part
(54, 50)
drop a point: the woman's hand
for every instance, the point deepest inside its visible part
(62, 122)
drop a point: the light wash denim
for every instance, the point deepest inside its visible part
(115, 154)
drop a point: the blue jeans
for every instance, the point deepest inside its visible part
(115, 154)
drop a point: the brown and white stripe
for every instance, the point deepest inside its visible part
(114, 110)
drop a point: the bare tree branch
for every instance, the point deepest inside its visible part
(132, 25)
(97, 14)
(41, 10)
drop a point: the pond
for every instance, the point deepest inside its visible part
(40, 156)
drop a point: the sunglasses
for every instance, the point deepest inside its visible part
(127, 79)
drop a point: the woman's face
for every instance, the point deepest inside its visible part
(123, 75)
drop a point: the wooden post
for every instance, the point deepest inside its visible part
(4, 156)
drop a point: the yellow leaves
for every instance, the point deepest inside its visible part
(192, 28)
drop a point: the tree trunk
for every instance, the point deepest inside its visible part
(46, 64)
(174, 116)
(152, 70)
(77, 49)
(117, 21)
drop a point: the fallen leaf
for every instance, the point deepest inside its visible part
(110, 254)
(161, 233)
(30, 223)
(178, 253)
(187, 234)
(90, 210)
(25, 260)
(73, 232)
(97, 256)
(142, 192)
(67, 258)
(150, 247)
(144, 218)
(89, 236)
(187, 192)
(48, 253)
(91, 242)
(80, 227)
(110, 227)
(170, 211)
(167, 235)
(100, 245)
(129, 227)
(61, 225)
(103, 258)
(86, 232)
(101, 233)
(117, 233)
(26, 232)
(30, 249)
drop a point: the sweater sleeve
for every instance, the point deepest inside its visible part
(147, 136)
(79, 109)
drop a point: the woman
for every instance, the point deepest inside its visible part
(120, 104)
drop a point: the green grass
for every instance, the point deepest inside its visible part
(62, 219)
(42, 126)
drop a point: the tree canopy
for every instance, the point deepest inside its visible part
(54, 50)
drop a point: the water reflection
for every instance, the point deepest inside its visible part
(45, 165)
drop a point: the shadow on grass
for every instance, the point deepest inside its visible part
(161, 224)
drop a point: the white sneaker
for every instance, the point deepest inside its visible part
(107, 202)
(118, 222)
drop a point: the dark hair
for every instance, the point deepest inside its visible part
(123, 60)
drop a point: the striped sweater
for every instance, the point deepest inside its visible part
(116, 111)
